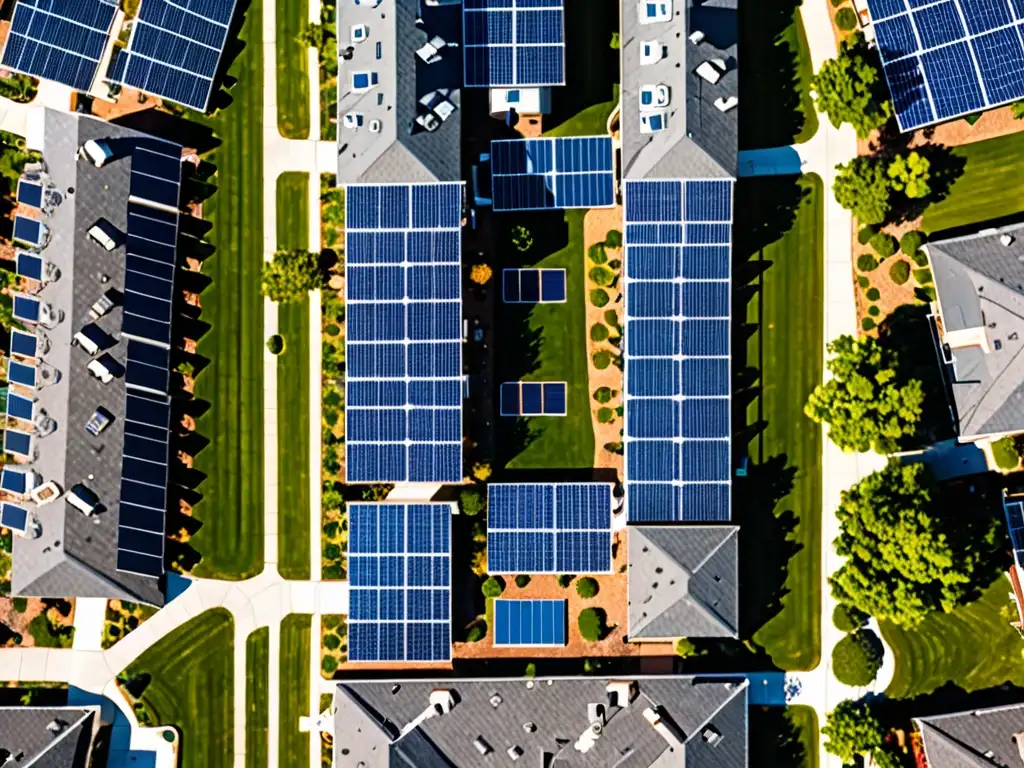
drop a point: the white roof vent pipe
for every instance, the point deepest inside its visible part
(1006, 240)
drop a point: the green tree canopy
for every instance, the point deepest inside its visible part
(904, 558)
(291, 275)
(857, 658)
(862, 186)
(864, 403)
(851, 89)
(910, 175)
(851, 730)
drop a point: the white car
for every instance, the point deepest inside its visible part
(100, 232)
(96, 152)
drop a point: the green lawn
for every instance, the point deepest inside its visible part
(293, 553)
(231, 511)
(787, 350)
(566, 442)
(292, 70)
(795, 38)
(991, 185)
(257, 675)
(192, 687)
(293, 746)
(973, 647)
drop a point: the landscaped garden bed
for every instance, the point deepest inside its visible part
(122, 618)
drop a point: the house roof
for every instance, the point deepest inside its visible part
(380, 724)
(980, 285)
(977, 739)
(700, 141)
(683, 581)
(48, 737)
(401, 151)
(75, 555)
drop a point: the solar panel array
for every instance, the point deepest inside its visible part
(23, 343)
(28, 265)
(175, 49)
(14, 480)
(26, 308)
(59, 40)
(399, 564)
(949, 58)
(530, 622)
(18, 442)
(513, 42)
(30, 193)
(1015, 521)
(535, 174)
(14, 517)
(549, 528)
(403, 345)
(533, 286)
(533, 398)
(677, 289)
(28, 231)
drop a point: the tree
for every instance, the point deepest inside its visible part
(862, 186)
(857, 658)
(492, 587)
(586, 587)
(851, 89)
(521, 238)
(472, 502)
(1017, 109)
(847, 618)
(910, 175)
(291, 275)
(592, 624)
(864, 403)
(904, 558)
(482, 471)
(884, 244)
(685, 648)
(481, 274)
(851, 730)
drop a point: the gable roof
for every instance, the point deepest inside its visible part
(48, 737)
(980, 285)
(982, 738)
(683, 581)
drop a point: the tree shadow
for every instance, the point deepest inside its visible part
(774, 738)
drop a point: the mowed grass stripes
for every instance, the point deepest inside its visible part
(192, 687)
(231, 510)
(293, 546)
(292, 70)
(257, 676)
(293, 746)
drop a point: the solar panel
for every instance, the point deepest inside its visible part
(536, 174)
(20, 373)
(28, 231)
(28, 265)
(26, 308)
(149, 273)
(549, 528)
(403, 347)
(532, 398)
(399, 559)
(14, 517)
(533, 286)
(156, 180)
(147, 368)
(30, 193)
(513, 42)
(17, 442)
(20, 407)
(949, 58)
(23, 344)
(14, 480)
(530, 622)
(677, 289)
(59, 40)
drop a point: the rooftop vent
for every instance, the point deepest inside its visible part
(651, 52)
(711, 735)
(482, 746)
(1006, 240)
(515, 752)
(495, 700)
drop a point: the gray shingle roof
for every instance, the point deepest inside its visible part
(48, 737)
(980, 284)
(683, 581)
(381, 724)
(701, 140)
(983, 738)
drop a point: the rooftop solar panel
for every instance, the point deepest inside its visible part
(30, 193)
(20, 373)
(14, 517)
(18, 443)
(949, 58)
(404, 323)
(534, 174)
(532, 398)
(28, 231)
(530, 622)
(175, 50)
(20, 407)
(533, 286)
(399, 560)
(549, 528)
(59, 40)
(677, 423)
(29, 265)
(14, 480)
(513, 42)
(23, 344)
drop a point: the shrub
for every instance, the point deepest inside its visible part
(598, 332)
(564, 580)
(612, 318)
(920, 258)
(601, 275)
(332, 330)
(685, 649)
(20, 604)
(592, 624)
(923, 276)
(874, 311)
(602, 359)
(1005, 454)
(597, 254)
(857, 658)
(867, 324)
(603, 394)
(605, 415)
(331, 572)
(480, 274)
(587, 587)
(492, 587)
(329, 664)
(925, 294)
(899, 272)
(613, 239)
(847, 618)
(331, 528)
(866, 233)
(331, 620)
(846, 19)
(531, 671)
(872, 294)
(476, 632)
(598, 297)
(884, 244)
(482, 470)
(332, 642)
(521, 238)
(332, 551)
(333, 399)
(471, 502)
(862, 281)
(275, 344)
(866, 262)
(911, 242)
(522, 580)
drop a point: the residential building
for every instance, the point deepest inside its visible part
(48, 737)
(981, 738)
